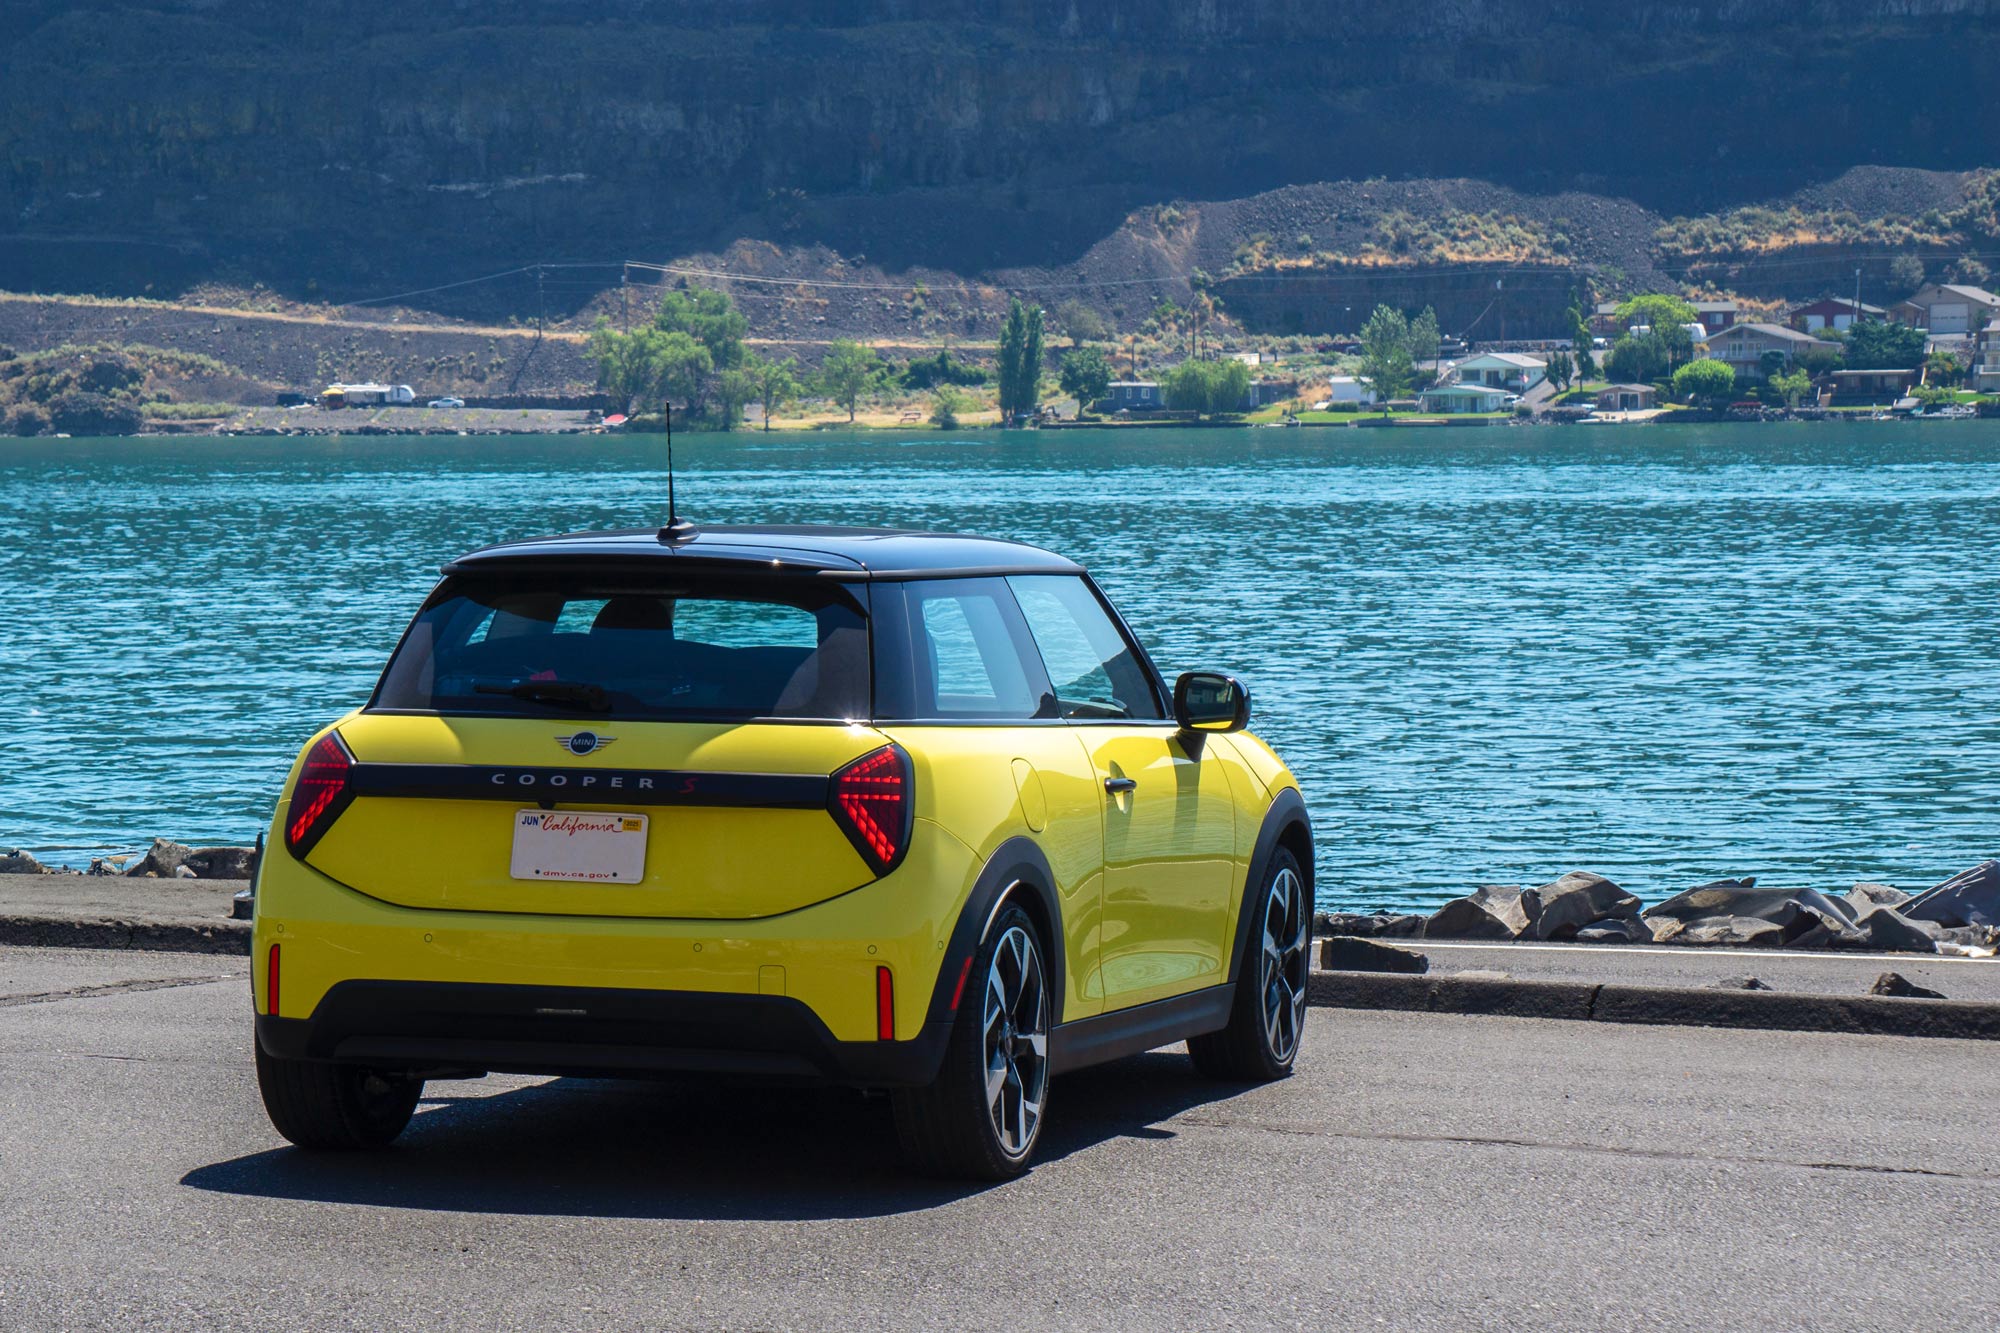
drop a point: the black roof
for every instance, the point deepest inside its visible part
(857, 552)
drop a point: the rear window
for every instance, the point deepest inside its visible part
(715, 649)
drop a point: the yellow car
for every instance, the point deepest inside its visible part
(894, 810)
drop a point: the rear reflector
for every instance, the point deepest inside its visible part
(958, 991)
(271, 984)
(885, 1004)
(322, 792)
(871, 801)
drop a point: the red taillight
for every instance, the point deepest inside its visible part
(271, 984)
(870, 800)
(320, 794)
(885, 1004)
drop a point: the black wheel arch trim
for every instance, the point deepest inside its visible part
(1016, 867)
(1287, 812)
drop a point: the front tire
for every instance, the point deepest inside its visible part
(335, 1107)
(981, 1118)
(1268, 1020)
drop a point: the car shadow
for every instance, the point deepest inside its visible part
(584, 1147)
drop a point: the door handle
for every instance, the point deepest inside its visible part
(1117, 785)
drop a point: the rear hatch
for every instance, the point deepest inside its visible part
(580, 741)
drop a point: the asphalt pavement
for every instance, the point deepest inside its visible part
(1419, 1172)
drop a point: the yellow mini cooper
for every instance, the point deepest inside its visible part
(895, 810)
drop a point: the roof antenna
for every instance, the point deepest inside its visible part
(678, 529)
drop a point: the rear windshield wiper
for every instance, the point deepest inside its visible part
(577, 693)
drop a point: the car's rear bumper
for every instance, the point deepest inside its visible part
(590, 1031)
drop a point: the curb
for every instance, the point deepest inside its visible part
(1575, 1001)
(45, 932)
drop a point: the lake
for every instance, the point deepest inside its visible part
(1666, 654)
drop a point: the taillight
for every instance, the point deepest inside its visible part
(320, 795)
(871, 801)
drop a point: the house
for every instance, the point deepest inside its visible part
(1742, 347)
(1627, 398)
(1865, 386)
(1985, 373)
(1465, 398)
(1512, 371)
(1947, 308)
(1831, 312)
(1135, 395)
(1715, 316)
(1348, 389)
(1270, 389)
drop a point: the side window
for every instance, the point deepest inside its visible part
(1094, 671)
(970, 650)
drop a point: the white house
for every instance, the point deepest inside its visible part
(1512, 371)
(1348, 389)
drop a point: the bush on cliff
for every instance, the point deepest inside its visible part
(85, 413)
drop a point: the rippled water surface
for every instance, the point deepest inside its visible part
(1663, 653)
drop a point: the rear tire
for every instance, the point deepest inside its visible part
(335, 1107)
(981, 1118)
(1267, 1022)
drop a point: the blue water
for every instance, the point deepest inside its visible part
(1665, 653)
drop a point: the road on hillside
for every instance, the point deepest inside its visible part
(1420, 1172)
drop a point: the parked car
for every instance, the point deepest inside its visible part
(895, 810)
(447, 402)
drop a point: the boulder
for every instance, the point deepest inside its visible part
(14, 861)
(1864, 897)
(222, 862)
(1347, 953)
(1578, 899)
(1517, 908)
(1737, 931)
(161, 860)
(1887, 929)
(1895, 983)
(1467, 919)
(1969, 898)
(1615, 930)
(1407, 927)
(1735, 912)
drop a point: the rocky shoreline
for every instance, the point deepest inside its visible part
(1959, 916)
(165, 859)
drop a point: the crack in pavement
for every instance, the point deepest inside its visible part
(1597, 1149)
(114, 988)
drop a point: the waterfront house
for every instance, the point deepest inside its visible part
(1870, 386)
(1742, 347)
(1457, 398)
(1349, 389)
(1985, 373)
(1515, 372)
(1135, 395)
(1830, 312)
(1270, 389)
(1627, 398)
(1947, 308)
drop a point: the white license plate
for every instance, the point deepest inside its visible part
(586, 846)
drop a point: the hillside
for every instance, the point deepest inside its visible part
(339, 152)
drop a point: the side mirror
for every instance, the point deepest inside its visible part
(1211, 701)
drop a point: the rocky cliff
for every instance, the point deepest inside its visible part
(342, 150)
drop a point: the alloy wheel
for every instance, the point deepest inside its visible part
(1016, 1041)
(1286, 960)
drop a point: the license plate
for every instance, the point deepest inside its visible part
(585, 846)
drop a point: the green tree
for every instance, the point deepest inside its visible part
(1086, 375)
(1874, 345)
(946, 403)
(1020, 362)
(850, 372)
(1209, 387)
(1586, 362)
(1906, 274)
(1561, 370)
(651, 367)
(1942, 370)
(710, 318)
(1792, 386)
(1655, 310)
(1386, 363)
(777, 384)
(1081, 322)
(1771, 363)
(1707, 381)
(1423, 340)
(733, 388)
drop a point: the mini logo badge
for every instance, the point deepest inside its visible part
(584, 742)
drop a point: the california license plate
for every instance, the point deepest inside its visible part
(584, 846)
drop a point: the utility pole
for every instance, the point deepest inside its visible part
(540, 308)
(1854, 316)
(624, 310)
